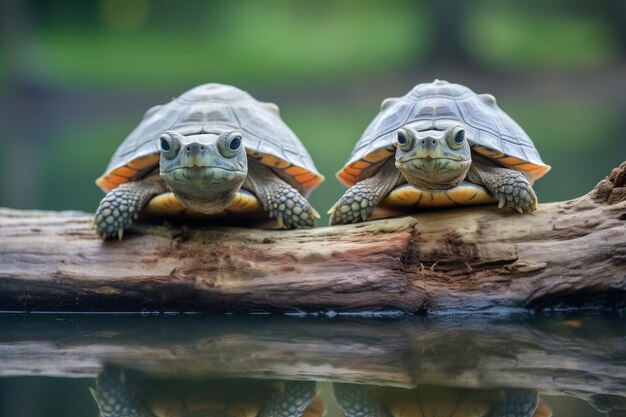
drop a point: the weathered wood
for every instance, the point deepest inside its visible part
(582, 357)
(571, 253)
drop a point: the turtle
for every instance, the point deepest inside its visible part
(116, 396)
(429, 400)
(213, 150)
(452, 147)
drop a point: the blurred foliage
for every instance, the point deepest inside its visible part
(510, 38)
(139, 43)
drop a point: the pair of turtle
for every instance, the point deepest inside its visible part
(257, 398)
(217, 150)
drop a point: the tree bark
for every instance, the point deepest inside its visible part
(567, 254)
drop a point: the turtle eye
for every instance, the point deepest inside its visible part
(235, 143)
(456, 138)
(404, 140)
(170, 145)
(229, 144)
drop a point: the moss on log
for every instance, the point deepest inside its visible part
(567, 254)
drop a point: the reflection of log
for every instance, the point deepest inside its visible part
(581, 357)
(570, 253)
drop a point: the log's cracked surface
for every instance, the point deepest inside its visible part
(567, 254)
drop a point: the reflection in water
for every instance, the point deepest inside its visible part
(142, 396)
(211, 398)
(392, 367)
(429, 400)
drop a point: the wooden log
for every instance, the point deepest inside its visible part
(581, 357)
(567, 254)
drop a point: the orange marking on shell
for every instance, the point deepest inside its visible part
(488, 152)
(510, 160)
(294, 170)
(462, 195)
(539, 171)
(244, 202)
(116, 179)
(309, 185)
(305, 177)
(353, 171)
(163, 204)
(144, 162)
(465, 194)
(125, 171)
(105, 184)
(377, 156)
(360, 164)
(347, 179)
(274, 161)
(526, 167)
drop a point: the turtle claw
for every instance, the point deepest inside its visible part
(116, 212)
(515, 192)
(351, 208)
(280, 223)
(291, 210)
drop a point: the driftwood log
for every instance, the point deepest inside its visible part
(580, 357)
(567, 254)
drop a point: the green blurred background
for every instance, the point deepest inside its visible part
(77, 76)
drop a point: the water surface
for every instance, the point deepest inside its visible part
(239, 366)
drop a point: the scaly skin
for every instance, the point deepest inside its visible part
(292, 401)
(360, 200)
(510, 187)
(356, 401)
(279, 199)
(516, 403)
(120, 207)
(113, 397)
(115, 400)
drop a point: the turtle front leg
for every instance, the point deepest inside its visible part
(291, 401)
(279, 199)
(356, 401)
(120, 207)
(516, 403)
(510, 187)
(361, 199)
(113, 397)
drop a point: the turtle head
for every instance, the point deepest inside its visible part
(433, 159)
(204, 171)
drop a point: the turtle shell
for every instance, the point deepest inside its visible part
(214, 108)
(437, 106)
(429, 400)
